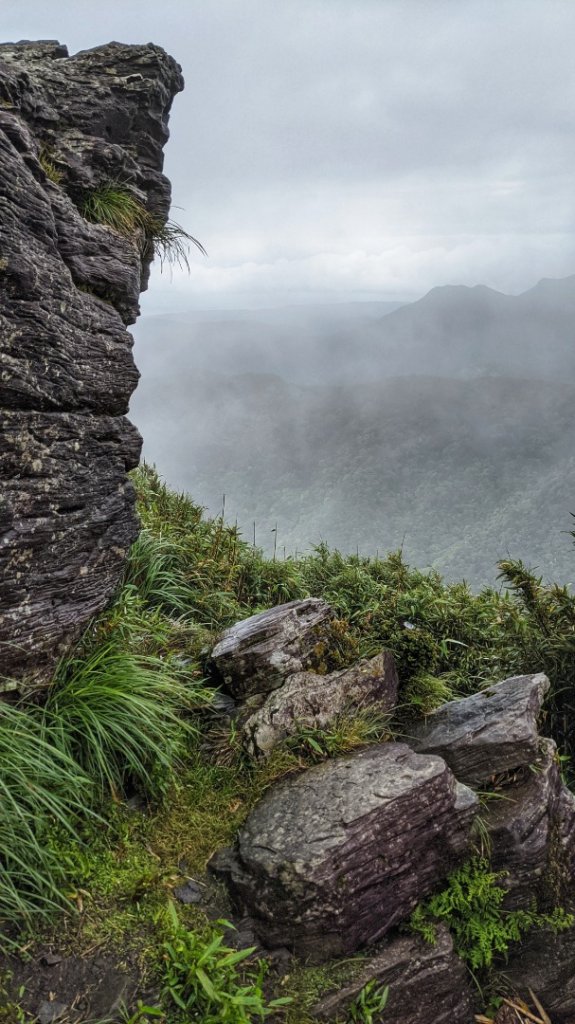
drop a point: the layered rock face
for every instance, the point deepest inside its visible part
(335, 857)
(330, 860)
(68, 288)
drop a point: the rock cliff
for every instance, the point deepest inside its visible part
(70, 126)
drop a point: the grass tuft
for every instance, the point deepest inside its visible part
(114, 205)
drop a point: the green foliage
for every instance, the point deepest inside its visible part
(118, 716)
(49, 166)
(39, 784)
(211, 983)
(130, 705)
(447, 641)
(116, 206)
(349, 731)
(370, 1002)
(471, 907)
(10, 1011)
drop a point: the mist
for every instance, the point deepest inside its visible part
(442, 426)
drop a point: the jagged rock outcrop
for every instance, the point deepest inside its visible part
(426, 983)
(531, 822)
(256, 655)
(311, 701)
(491, 732)
(67, 290)
(330, 860)
(335, 858)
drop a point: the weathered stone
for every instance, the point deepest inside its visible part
(67, 290)
(257, 654)
(308, 700)
(545, 963)
(50, 1011)
(331, 859)
(421, 978)
(488, 733)
(532, 831)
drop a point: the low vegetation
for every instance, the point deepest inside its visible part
(120, 787)
(114, 205)
(471, 905)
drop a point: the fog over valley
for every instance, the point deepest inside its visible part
(442, 426)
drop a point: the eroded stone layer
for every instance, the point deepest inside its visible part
(68, 288)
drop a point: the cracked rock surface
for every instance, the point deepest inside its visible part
(426, 983)
(331, 859)
(490, 732)
(311, 701)
(68, 288)
(257, 654)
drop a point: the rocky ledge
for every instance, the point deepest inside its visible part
(68, 287)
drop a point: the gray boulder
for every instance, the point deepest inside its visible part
(488, 733)
(257, 654)
(532, 830)
(307, 700)
(420, 977)
(331, 859)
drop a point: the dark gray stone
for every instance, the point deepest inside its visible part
(257, 654)
(545, 963)
(191, 892)
(426, 983)
(307, 700)
(488, 733)
(532, 830)
(331, 859)
(50, 1011)
(67, 290)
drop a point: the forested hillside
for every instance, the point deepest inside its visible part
(444, 427)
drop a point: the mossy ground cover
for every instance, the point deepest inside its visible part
(158, 784)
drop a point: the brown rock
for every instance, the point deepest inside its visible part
(488, 733)
(331, 859)
(307, 700)
(67, 290)
(426, 983)
(256, 655)
(532, 830)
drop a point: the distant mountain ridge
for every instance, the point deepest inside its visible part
(446, 425)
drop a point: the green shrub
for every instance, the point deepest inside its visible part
(369, 1004)
(471, 907)
(119, 717)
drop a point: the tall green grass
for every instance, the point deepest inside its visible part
(119, 718)
(121, 706)
(115, 205)
(41, 786)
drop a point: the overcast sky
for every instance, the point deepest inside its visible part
(354, 149)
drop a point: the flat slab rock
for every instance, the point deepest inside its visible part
(256, 655)
(532, 830)
(308, 700)
(331, 859)
(488, 733)
(426, 983)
